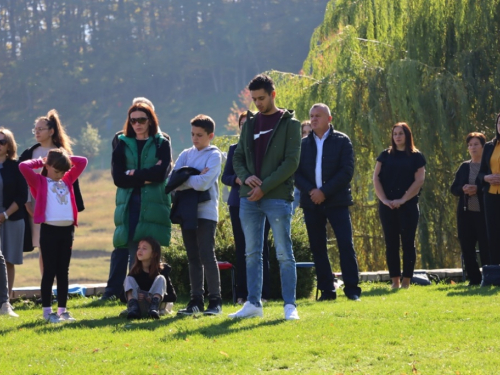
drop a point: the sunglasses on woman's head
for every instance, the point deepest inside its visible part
(140, 120)
(3, 142)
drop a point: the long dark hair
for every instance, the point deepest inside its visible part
(409, 145)
(128, 130)
(59, 138)
(156, 265)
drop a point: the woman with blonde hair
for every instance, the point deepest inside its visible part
(13, 195)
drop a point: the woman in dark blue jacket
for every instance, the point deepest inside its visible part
(471, 223)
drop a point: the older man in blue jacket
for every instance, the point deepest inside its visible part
(325, 171)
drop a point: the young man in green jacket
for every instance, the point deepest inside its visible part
(266, 158)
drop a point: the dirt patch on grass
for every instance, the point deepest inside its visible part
(80, 254)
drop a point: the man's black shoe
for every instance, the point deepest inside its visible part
(354, 297)
(328, 295)
(214, 307)
(195, 306)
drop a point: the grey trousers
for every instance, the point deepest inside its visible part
(159, 287)
(200, 248)
(4, 288)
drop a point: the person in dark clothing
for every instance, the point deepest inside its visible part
(229, 178)
(471, 223)
(399, 174)
(325, 171)
(489, 178)
(13, 195)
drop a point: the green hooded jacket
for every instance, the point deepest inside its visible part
(154, 219)
(280, 162)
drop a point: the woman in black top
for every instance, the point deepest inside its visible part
(399, 174)
(471, 223)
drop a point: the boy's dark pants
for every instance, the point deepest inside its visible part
(200, 248)
(55, 245)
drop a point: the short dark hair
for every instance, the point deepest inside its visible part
(205, 122)
(243, 115)
(477, 135)
(262, 81)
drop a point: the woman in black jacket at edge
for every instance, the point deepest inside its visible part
(471, 223)
(14, 192)
(489, 178)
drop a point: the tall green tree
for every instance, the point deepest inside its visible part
(89, 58)
(434, 64)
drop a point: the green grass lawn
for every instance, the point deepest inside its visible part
(441, 329)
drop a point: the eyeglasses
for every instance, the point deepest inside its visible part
(3, 142)
(140, 120)
(38, 130)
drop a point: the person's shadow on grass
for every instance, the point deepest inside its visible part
(464, 290)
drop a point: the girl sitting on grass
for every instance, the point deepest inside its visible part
(146, 284)
(56, 211)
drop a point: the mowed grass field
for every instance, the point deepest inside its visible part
(93, 237)
(440, 329)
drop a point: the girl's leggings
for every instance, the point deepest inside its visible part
(55, 245)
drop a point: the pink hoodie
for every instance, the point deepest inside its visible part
(38, 184)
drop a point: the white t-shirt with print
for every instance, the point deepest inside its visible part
(59, 210)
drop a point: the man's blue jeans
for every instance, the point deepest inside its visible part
(253, 217)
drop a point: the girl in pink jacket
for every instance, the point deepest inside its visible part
(56, 211)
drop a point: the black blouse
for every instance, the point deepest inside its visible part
(397, 173)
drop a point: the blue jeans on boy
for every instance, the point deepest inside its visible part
(253, 216)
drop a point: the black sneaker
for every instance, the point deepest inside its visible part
(195, 306)
(214, 307)
(328, 295)
(154, 308)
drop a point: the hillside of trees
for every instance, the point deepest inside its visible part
(88, 59)
(434, 64)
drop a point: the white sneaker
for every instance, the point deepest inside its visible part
(66, 317)
(249, 310)
(7, 309)
(53, 318)
(291, 312)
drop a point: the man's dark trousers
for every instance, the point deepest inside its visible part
(340, 220)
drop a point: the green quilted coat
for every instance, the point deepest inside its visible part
(154, 219)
